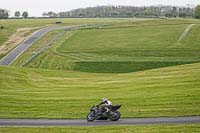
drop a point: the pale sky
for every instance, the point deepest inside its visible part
(37, 7)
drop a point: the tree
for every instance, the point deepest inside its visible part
(17, 14)
(51, 14)
(182, 15)
(174, 11)
(61, 14)
(44, 14)
(4, 14)
(25, 14)
(197, 11)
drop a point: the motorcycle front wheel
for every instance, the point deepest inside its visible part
(91, 117)
(114, 116)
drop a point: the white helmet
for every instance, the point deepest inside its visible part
(104, 99)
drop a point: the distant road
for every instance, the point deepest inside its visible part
(134, 121)
(15, 53)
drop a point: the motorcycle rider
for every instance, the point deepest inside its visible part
(107, 103)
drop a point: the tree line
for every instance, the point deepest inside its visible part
(24, 14)
(128, 12)
(4, 14)
(118, 12)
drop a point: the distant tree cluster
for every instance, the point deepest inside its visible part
(126, 12)
(50, 14)
(4, 14)
(197, 11)
(24, 14)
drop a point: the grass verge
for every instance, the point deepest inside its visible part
(112, 129)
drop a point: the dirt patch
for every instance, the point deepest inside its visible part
(18, 37)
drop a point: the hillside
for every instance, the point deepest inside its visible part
(37, 93)
(16, 30)
(121, 48)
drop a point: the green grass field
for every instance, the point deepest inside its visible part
(41, 43)
(138, 46)
(114, 129)
(138, 64)
(37, 93)
(11, 25)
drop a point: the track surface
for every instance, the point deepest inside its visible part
(135, 121)
(10, 57)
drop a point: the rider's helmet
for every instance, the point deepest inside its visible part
(104, 99)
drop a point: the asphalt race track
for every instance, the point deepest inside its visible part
(133, 121)
(10, 57)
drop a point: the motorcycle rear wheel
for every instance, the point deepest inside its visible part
(114, 116)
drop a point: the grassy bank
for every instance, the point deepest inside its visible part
(37, 93)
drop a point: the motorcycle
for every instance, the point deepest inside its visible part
(100, 113)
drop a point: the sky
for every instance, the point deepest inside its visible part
(37, 7)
